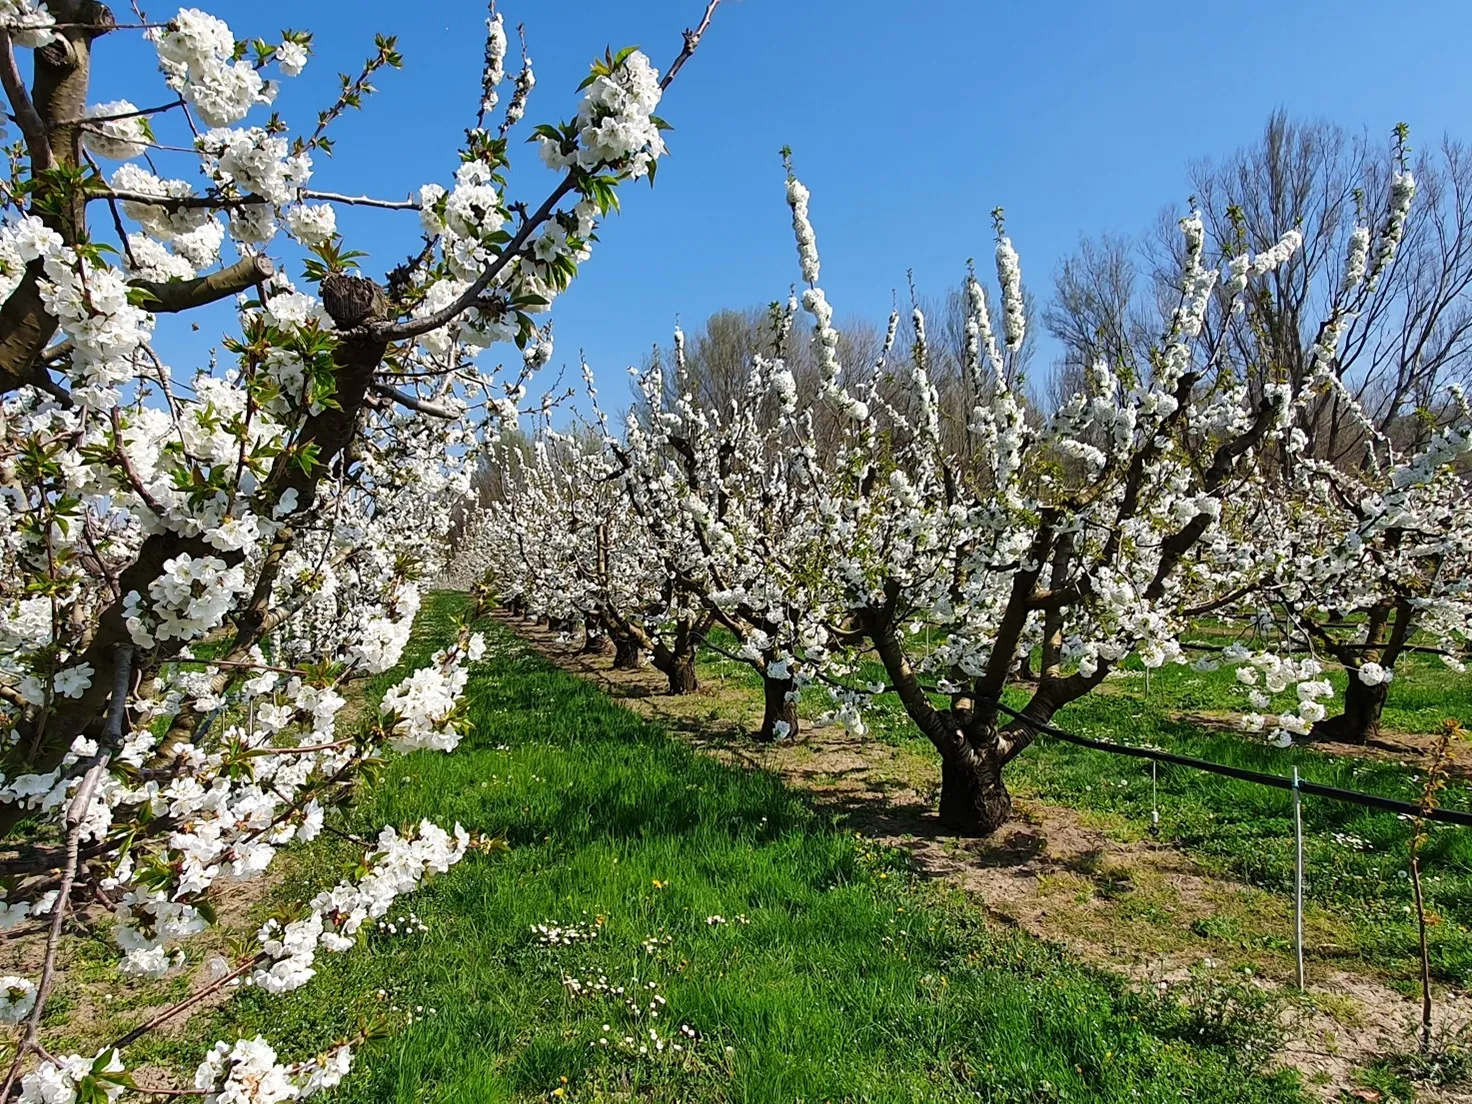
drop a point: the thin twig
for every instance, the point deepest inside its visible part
(188, 1002)
(126, 463)
(138, 113)
(692, 40)
(409, 204)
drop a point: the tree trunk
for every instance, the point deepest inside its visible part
(973, 798)
(777, 708)
(1360, 718)
(680, 669)
(626, 654)
(595, 640)
(1024, 668)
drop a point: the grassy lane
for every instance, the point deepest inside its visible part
(1356, 858)
(805, 962)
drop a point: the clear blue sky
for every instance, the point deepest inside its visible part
(910, 122)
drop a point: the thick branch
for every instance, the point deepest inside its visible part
(38, 143)
(433, 410)
(173, 296)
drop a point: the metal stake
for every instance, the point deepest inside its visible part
(1154, 803)
(1298, 877)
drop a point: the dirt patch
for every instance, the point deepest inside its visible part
(94, 1003)
(1127, 904)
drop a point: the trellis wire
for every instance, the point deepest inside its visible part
(1297, 785)
(1278, 781)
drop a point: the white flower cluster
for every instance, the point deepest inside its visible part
(615, 126)
(193, 233)
(27, 22)
(1356, 257)
(192, 596)
(196, 52)
(1009, 276)
(423, 708)
(17, 998)
(256, 163)
(91, 305)
(807, 240)
(58, 1081)
(1398, 210)
(399, 866)
(120, 132)
(248, 1072)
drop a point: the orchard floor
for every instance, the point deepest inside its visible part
(1082, 880)
(680, 915)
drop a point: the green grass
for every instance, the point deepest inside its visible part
(1356, 858)
(834, 977)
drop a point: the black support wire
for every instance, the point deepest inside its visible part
(1277, 781)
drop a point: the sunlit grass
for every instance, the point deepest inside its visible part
(1356, 858)
(805, 961)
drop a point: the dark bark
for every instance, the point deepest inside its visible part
(595, 640)
(973, 797)
(627, 655)
(776, 706)
(676, 659)
(1360, 718)
(679, 668)
(47, 115)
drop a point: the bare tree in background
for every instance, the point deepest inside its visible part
(1412, 337)
(718, 361)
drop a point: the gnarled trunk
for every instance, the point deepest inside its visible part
(627, 655)
(677, 658)
(679, 668)
(595, 640)
(973, 798)
(778, 708)
(1360, 718)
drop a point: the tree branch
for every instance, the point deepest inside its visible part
(692, 40)
(364, 201)
(415, 327)
(173, 296)
(433, 410)
(29, 120)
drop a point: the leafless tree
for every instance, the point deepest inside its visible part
(1412, 337)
